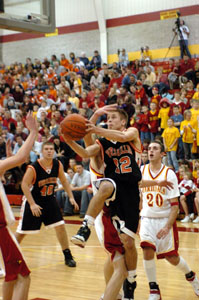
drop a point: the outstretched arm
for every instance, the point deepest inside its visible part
(89, 151)
(21, 155)
(163, 183)
(121, 136)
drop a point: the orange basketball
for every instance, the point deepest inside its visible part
(74, 127)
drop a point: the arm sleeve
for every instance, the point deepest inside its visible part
(173, 193)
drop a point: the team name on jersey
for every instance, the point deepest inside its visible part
(123, 149)
(47, 181)
(155, 188)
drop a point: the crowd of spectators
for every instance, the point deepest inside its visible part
(161, 99)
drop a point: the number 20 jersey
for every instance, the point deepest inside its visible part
(156, 199)
(120, 161)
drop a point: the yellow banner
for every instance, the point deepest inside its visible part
(168, 14)
(52, 33)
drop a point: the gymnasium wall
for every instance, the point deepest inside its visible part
(128, 26)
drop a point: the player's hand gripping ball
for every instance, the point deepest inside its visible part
(73, 127)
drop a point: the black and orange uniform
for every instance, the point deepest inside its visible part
(43, 193)
(121, 161)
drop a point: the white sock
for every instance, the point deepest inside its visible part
(131, 276)
(90, 220)
(150, 269)
(183, 266)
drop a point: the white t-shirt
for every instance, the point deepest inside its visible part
(156, 199)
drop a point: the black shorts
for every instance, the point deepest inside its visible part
(51, 216)
(126, 208)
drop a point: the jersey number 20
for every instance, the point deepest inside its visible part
(158, 200)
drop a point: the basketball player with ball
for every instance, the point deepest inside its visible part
(119, 149)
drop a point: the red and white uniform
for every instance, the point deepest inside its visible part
(186, 187)
(156, 210)
(13, 260)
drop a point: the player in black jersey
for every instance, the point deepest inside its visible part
(40, 205)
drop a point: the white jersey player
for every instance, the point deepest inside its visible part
(158, 231)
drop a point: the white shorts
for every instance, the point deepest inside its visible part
(96, 185)
(148, 234)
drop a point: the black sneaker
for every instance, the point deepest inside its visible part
(128, 289)
(82, 235)
(69, 260)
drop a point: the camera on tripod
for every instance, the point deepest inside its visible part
(177, 22)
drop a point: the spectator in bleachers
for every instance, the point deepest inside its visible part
(163, 114)
(162, 81)
(195, 110)
(8, 120)
(140, 96)
(188, 131)
(96, 61)
(196, 94)
(186, 187)
(177, 118)
(148, 65)
(186, 67)
(96, 79)
(79, 185)
(84, 59)
(144, 121)
(190, 92)
(155, 96)
(153, 120)
(144, 158)
(170, 139)
(176, 101)
(150, 80)
(123, 58)
(196, 74)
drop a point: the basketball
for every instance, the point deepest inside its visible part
(74, 127)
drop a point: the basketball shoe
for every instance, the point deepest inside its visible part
(194, 282)
(154, 291)
(82, 235)
(128, 289)
(69, 260)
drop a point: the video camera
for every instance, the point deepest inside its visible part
(177, 22)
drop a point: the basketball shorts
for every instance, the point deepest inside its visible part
(13, 259)
(126, 210)
(97, 183)
(108, 234)
(164, 247)
(51, 217)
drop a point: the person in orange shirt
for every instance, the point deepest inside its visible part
(170, 139)
(64, 61)
(53, 91)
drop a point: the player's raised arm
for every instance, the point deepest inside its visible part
(21, 155)
(121, 136)
(87, 152)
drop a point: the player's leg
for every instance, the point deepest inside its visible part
(21, 288)
(8, 288)
(181, 264)
(185, 208)
(63, 240)
(119, 274)
(131, 264)
(150, 270)
(19, 236)
(96, 204)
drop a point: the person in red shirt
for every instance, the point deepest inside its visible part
(186, 66)
(153, 120)
(117, 78)
(177, 101)
(190, 92)
(140, 95)
(156, 97)
(144, 121)
(7, 120)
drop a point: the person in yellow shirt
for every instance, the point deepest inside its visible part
(163, 114)
(194, 110)
(74, 99)
(196, 94)
(188, 129)
(170, 139)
